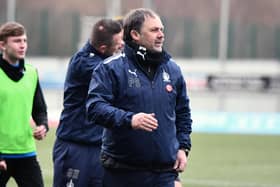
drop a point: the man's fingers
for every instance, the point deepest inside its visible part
(150, 125)
(144, 121)
(150, 121)
(176, 165)
(146, 129)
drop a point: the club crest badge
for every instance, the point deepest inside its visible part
(165, 76)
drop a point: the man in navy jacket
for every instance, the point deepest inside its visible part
(77, 147)
(140, 97)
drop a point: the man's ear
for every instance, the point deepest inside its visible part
(135, 35)
(102, 49)
(2, 47)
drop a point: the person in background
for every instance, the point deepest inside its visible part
(76, 152)
(140, 97)
(21, 97)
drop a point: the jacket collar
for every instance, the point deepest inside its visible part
(14, 73)
(90, 49)
(143, 56)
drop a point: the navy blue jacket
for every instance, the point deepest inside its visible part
(119, 89)
(73, 125)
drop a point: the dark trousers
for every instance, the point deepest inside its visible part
(122, 178)
(25, 171)
(77, 165)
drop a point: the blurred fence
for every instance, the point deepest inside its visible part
(194, 38)
(60, 34)
(191, 27)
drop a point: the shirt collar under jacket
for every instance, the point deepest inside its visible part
(13, 72)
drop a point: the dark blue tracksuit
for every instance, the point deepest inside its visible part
(127, 91)
(76, 153)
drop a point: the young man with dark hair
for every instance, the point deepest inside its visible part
(140, 97)
(76, 153)
(21, 97)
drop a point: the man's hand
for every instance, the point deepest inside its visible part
(181, 161)
(3, 165)
(144, 121)
(40, 132)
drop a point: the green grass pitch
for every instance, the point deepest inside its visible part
(216, 160)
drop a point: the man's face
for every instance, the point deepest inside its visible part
(117, 44)
(14, 48)
(151, 34)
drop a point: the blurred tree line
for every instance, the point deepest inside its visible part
(191, 26)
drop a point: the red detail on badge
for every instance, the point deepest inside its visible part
(169, 88)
